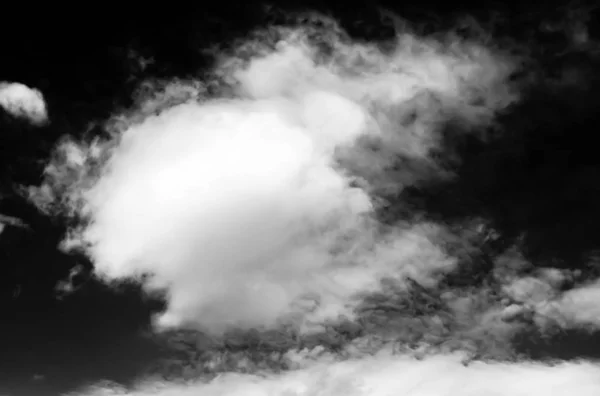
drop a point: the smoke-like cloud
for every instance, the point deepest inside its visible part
(254, 205)
(23, 102)
(386, 374)
(250, 199)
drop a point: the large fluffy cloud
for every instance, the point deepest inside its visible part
(250, 199)
(244, 203)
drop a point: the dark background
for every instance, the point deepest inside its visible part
(541, 177)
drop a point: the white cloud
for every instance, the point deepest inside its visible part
(385, 375)
(23, 102)
(255, 205)
(576, 308)
(239, 204)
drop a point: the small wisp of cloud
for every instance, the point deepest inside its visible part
(23, 102)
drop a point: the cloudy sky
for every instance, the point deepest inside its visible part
(302, 201)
